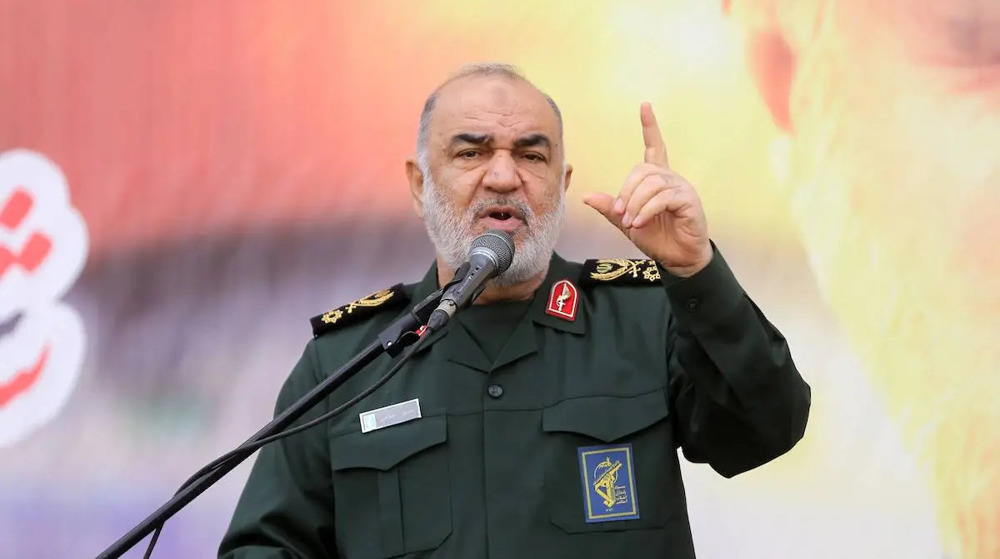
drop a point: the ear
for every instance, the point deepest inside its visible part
(416, 179)
(771, 63)
(568, 174)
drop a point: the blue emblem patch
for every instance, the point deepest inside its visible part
(608, 483)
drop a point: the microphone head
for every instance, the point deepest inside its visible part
(496, 244)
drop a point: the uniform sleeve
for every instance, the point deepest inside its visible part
(286, 508)
(739, 400)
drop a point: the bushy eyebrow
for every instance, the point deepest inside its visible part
(474, 139)
(531, 140)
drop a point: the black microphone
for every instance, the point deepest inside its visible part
(490, 255)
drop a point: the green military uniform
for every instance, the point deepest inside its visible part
(540, 435)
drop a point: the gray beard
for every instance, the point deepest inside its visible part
(452, 234)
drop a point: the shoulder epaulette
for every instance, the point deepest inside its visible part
(365, 307)
(620, 271)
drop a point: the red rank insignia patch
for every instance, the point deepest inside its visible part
(563, 300)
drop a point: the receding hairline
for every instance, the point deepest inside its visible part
(486, 69)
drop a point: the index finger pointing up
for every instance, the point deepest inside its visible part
(656, 150)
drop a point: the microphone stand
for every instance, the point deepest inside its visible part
(392, 340)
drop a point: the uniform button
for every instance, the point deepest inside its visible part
(692, 304)
(495, 390)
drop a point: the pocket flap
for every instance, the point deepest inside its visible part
(384, 448)
(607, 418)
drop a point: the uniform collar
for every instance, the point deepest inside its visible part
(559, 269)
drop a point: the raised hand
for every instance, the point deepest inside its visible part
(657, 209)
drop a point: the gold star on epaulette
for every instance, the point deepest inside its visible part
(620, 271)
(382, 300)
(332, 317)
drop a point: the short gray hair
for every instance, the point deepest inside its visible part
(469, 70)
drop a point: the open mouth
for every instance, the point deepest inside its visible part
(502, 213)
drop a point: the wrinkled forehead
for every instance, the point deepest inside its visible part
(502, 107)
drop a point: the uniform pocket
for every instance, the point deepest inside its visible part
(391, 489)
(614, 465)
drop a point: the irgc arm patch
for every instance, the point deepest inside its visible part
(355, 311)
(608, 483)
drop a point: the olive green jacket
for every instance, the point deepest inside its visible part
(565, 446)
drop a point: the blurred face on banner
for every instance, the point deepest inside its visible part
(492, 158)
(890, 154)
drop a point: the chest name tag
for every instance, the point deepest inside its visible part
(608, 483)
(390, 415)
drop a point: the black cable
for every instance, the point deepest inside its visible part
(252, 446)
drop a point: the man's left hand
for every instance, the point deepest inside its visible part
(657, 209)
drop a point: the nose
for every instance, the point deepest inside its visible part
(501, 174)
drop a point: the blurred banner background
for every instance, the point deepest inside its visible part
(183, 183)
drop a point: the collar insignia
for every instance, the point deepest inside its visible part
(563, 299)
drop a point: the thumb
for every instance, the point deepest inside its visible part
(604, 204)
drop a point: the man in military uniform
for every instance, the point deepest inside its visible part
(544, 421)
